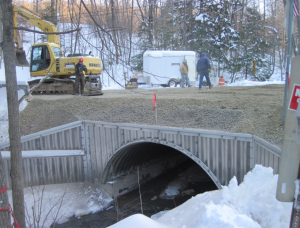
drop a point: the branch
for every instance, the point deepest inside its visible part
(102, 29)
(115, 29)
(47, 33)
(140, 10)
(241, 7)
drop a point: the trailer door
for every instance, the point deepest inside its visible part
(174, 70)
(192, 67)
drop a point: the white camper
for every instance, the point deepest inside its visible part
(162, 67)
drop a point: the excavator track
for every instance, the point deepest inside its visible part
(53, 87)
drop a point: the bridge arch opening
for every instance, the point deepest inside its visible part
(146, 160)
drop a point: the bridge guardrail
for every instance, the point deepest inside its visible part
(239, 151)
(266, 154)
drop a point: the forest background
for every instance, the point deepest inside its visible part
(233, 33)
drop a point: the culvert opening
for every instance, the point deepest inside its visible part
(167, 178)
(150, 197)
(166, 191)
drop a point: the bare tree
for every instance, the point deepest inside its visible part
(16, 172)
(298, 26)
(113, 21)
(1, 32)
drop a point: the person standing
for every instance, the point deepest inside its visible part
(203, 68)
(79, 68)
(184, 70)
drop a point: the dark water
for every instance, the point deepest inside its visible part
(129, 204)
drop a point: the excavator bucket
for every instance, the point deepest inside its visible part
(21, 58)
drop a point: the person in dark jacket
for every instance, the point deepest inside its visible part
(79, 68)
(203, 68)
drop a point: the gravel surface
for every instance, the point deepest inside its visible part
(253, 110)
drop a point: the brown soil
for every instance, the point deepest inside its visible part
(253, 110)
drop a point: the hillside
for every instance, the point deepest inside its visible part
(253, 109)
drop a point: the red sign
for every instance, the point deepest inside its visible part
(295, 99)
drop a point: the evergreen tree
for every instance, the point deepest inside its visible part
(251, 46)
(215, 32)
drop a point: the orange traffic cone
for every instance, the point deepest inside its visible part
(221, 81)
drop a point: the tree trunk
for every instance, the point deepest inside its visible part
(150, 22)
(1, 32)
(53, 16)
(263, 30)
(71, 13)
(4, 215)
(184, 26)
(78, 23)
(114, 30)
(298, 25)
(16, 172)
(130, 33)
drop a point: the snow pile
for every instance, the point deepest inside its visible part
(252, 204)
(255, 197)
(159, 54)
(138, 221)
(254, 83)
(4, 113)
(22, 73)
(3, 116)
(59, 202)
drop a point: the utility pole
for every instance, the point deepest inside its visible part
(288, 61)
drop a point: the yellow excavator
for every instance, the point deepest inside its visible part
(52, 72)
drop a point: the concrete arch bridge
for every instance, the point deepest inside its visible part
(111, 154)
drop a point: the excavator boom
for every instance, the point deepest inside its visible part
(36, 20)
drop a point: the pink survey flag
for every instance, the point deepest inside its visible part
(154, 101)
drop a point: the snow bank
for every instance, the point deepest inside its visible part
(4, 113)
(158, 54)
(138, 221)
(63, 201)
(254, 83)
(252, 204)
(22, 73)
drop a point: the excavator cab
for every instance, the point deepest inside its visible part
(40, 58)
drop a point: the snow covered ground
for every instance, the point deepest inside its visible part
(61, 201)
(3, 112)
(252, 204)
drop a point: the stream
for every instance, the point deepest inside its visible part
(162, 193)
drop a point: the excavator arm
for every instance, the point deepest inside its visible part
(20, 59)
(36, 20)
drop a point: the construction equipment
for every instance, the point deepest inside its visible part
(47, 59)
(131, 84)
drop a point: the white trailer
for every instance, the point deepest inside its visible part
(162, 67)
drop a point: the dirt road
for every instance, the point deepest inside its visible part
(254, 110)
